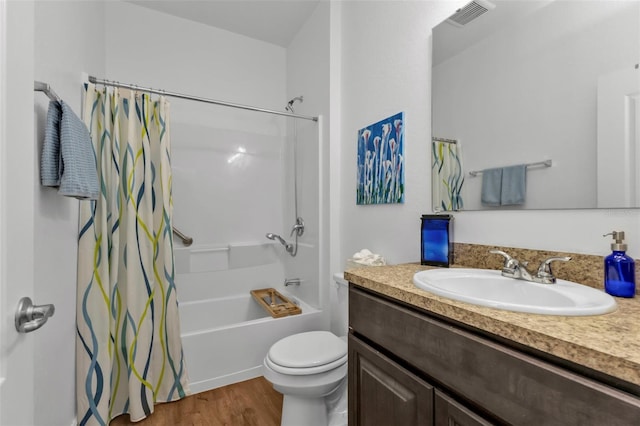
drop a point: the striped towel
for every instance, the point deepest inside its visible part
(68, 160)
(51, 161)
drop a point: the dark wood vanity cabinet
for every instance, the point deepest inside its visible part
(409, 368)
(383, 393)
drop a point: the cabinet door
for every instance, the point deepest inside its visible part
(383, 393)
(449, 412)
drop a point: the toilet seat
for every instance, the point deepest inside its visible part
(307, 353)
(305, 371)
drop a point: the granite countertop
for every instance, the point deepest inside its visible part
(606, 343)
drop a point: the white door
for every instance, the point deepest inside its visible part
(619, 139)
(17, 159)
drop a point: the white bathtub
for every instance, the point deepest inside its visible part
(226, 339)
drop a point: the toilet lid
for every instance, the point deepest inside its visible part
(310, 349)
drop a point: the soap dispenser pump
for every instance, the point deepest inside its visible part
(619, 269)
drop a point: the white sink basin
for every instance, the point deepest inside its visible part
(489, 288)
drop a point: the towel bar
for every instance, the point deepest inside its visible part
(546, 163)
(40, 86)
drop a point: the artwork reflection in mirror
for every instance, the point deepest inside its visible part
(447, 175)
(527, 82)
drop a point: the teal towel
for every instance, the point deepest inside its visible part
(514, 185)
(50, 161)
(79, 177)
(491, 187)
(68, 161)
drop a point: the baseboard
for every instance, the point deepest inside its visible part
(218, 382)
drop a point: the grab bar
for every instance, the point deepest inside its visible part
(187, 241)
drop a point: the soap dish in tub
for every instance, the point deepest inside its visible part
(275, 303)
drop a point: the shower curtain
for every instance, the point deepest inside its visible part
(447, 176)
(128, 347)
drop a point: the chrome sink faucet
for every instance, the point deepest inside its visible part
(513, 268)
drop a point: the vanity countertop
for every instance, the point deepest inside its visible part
(606, 343)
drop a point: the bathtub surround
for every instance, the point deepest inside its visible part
(128, 348)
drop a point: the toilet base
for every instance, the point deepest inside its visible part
(298, 410)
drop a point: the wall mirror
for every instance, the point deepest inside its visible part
(551, 84)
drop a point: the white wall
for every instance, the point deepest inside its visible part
(386, 68)
(69, 39)
(308, 75)
(17, 351)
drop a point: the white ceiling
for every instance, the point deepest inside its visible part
(272, 21)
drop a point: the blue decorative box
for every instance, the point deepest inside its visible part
(436, 240)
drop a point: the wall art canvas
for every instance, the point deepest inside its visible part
(381, 162)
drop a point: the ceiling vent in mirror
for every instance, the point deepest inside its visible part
(470, 12)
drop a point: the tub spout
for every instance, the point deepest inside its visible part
(292, 281)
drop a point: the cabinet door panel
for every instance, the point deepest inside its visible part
(511, 385)
(451, 413)
(383, 393)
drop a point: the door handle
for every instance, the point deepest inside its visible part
(30, 317)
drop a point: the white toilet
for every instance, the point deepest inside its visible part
(310, 370)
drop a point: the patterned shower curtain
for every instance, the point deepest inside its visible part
(128, 347)
(447, 176)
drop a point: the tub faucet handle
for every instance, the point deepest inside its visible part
(298, 228)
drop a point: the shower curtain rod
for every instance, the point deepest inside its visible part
(95, 80)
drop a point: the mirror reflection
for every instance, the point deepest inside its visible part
(535, 106)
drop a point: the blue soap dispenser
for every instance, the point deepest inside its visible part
(619, 269)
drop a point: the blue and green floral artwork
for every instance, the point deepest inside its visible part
(381, 162)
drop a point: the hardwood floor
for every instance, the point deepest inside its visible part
(250, 403)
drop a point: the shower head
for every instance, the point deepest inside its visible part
(289, 247)
(292, 101)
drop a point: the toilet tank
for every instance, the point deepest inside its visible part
(339, 299)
